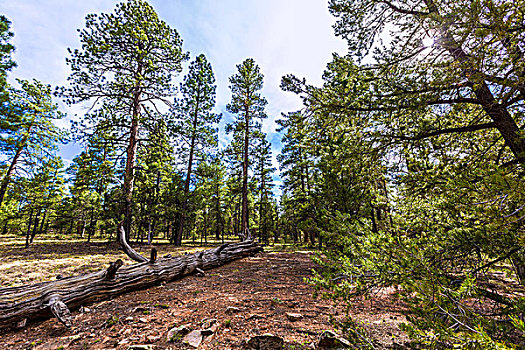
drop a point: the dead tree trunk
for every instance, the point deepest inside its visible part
(42, 300)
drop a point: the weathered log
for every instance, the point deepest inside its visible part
(42, 300)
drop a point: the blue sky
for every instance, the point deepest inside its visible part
(283, 36)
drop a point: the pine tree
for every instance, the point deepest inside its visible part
(263, 175)
(248, 105)
(29, 134)
(195, 122)
(125, 65)
(92, 174)
(6, 62)
(155, 169)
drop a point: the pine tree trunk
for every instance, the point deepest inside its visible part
(28, 233)
(518, 261)
(245, 232)
(180, 229)
(129, 175)
(14, 162)
(218, 212)
(35, 227)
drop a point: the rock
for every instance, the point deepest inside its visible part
(143, 320)
(208, 322)
(255, 317)
(330, 340)
(194, 339)
(232, 310)
(21, 323)
(294, 317)
(140, 347)
(209, 331)
(84, 309)
(177, 333)
(123, 342)
(209, 326)
(265, 342)
(129, 319)
(152, 338)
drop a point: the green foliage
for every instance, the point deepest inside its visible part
(415, 161)
(248, 105)
(195, 123)
(28, 136)
(6, 49)
(125, 52)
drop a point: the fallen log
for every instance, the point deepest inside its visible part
(39, 301)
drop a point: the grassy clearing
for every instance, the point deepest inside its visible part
(51, 256)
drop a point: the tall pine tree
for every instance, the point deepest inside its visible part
(248, 105)
(195, 121)
(126, 61)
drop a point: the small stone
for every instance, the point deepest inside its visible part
(294, 317)
(123, 342)
(84, 310)
(194, 339)
(255, 317)
(265, 342)
(232, 310)
(129, 319)
(140, 347)
(177, 333)
(152, 338)
(330, 340)
(208, 322)
(143, 320)
(21, 323)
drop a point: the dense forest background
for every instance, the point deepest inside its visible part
(405, 168)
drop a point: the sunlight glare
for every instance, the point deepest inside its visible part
(428, 42)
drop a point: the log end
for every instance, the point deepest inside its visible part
(61, 311)
(112, 269)
(153, 256)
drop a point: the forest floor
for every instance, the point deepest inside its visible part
(247, 297)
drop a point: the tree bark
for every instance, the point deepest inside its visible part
(14, 162)
(245, 232)
(180, 229)
(28, 233)
(42, 300)
(218, 212)
(10, 172)
(129, 176)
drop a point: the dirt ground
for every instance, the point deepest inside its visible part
(247, 297)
